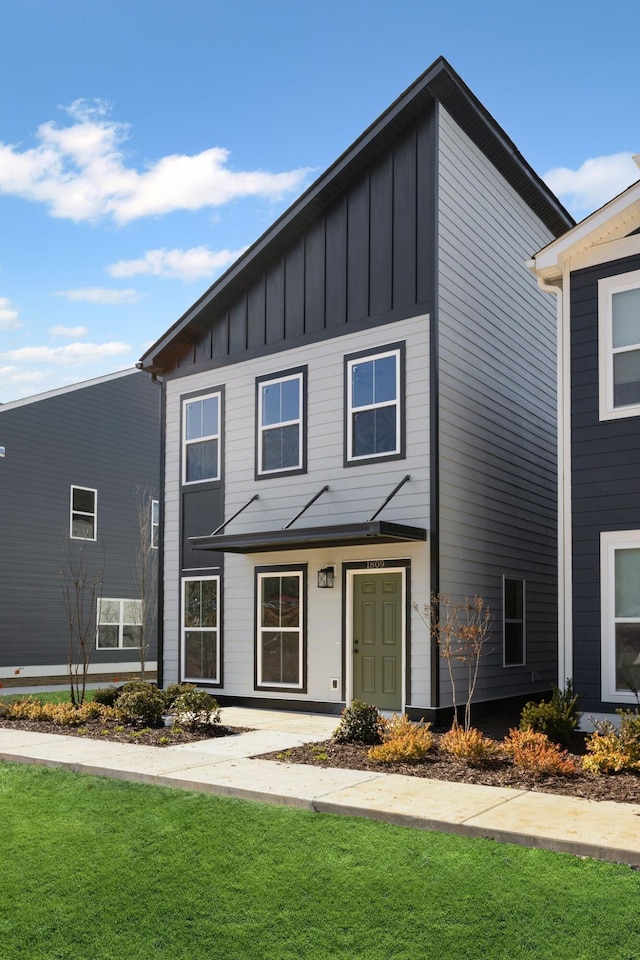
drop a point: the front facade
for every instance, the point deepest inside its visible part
(594, 270)
(360, 414)
(79, 502)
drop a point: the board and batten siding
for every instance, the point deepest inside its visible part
(104, 436)
(355, 493)
(497, 410)
(605, 467)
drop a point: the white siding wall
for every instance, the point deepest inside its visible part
(354, 495)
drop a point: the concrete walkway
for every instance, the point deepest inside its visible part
(601, 829)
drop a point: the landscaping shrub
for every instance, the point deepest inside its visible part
(136, 685)
(403, 741)
(141, 705)
(196, 710)
(611, 749)
(62, 714)
(173, 691)
(534, 752)
(107, 695)
(359, 723)
(470, 745)
(557, 718)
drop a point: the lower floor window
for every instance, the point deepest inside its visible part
(621, 614)
(119, 624)
(200, 629)
(280, 627)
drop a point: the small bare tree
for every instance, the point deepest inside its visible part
(460, 628)
(81, 585)
(146, 571)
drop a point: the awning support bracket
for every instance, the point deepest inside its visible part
(306, 506)
(236, 514)
(391, 495)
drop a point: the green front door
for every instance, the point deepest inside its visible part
(377, 639)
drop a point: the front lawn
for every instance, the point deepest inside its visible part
(106, 869)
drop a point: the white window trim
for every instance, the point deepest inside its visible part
(214, 436)
(607, 287)
(269, 684)
(84, 513)
(523, 662)
(121, 621)
(370, 358)
(184, 628)
(155, 525)
(282, 423)
(610, 541)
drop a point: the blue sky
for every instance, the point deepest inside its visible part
(145, 143)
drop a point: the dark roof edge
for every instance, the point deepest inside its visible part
(440, 81)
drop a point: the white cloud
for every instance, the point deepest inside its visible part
(193, 264)
(60, 331)
(99, 295)
(79, 173)
(8, 315)
(597, 181)
(73, 354)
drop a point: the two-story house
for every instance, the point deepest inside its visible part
(79, 506)
(594, 270)
(359, 414)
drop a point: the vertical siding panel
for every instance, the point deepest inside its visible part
(314, 309)
(336, 259)
(275, 304)
(426, 209)
(256, 336)
(220, 336)
(404, 223)
(294, 292)
(238, 326)
(358, 252)
(381, 238)
(203, 348)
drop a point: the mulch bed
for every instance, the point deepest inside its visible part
(621, 787)
(123, 733)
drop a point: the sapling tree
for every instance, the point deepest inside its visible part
(81, 586)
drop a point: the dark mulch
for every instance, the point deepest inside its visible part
(123, 733)
(621, 787)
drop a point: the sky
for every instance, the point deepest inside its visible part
(144, 144)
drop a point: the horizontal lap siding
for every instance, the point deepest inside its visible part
(605, 477)
(497, 409)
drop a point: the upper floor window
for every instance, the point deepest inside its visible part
(201, 439)
(280, 439)
(155, 524)
(514, 622)
(374, 404)
(619, 336)
(84, 513)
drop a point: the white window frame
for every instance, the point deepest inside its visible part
(505, 621)
(121, 621)
(83, 513)
(299, 376)
(155, 524)
(184, 628)
(371, 358)
(213, 436)
(610, 543)
(607, 287)
(299, 573)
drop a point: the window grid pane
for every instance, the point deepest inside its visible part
(201, 439)
(374, 407)
(280, 425)
(200, 629)
(280, 630)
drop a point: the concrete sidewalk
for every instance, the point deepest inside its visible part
(601, 829)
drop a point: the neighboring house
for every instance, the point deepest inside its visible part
(76, 460)
(595, 271)
(360, 413)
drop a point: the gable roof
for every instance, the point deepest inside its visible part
(616, 219)
(439, 82)
(59, 391)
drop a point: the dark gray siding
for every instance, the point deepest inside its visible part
(605, 467)
(367, 259)
(105, 436)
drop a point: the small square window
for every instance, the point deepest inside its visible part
(619, 345)
(514, 622)
(201, 439)
(374, 405)
(280, 423)
(84, 514)
(119, 624)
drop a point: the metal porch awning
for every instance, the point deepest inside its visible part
(339, 535)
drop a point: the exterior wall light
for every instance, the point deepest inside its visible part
(325, 578)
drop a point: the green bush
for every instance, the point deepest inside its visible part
(611, 749)
(141, 704)
(556, 718)
(173, 691)
(359, 723)
(107, 696)
(196, 710)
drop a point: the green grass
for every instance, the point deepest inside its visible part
(105, 869)
(47, 696)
